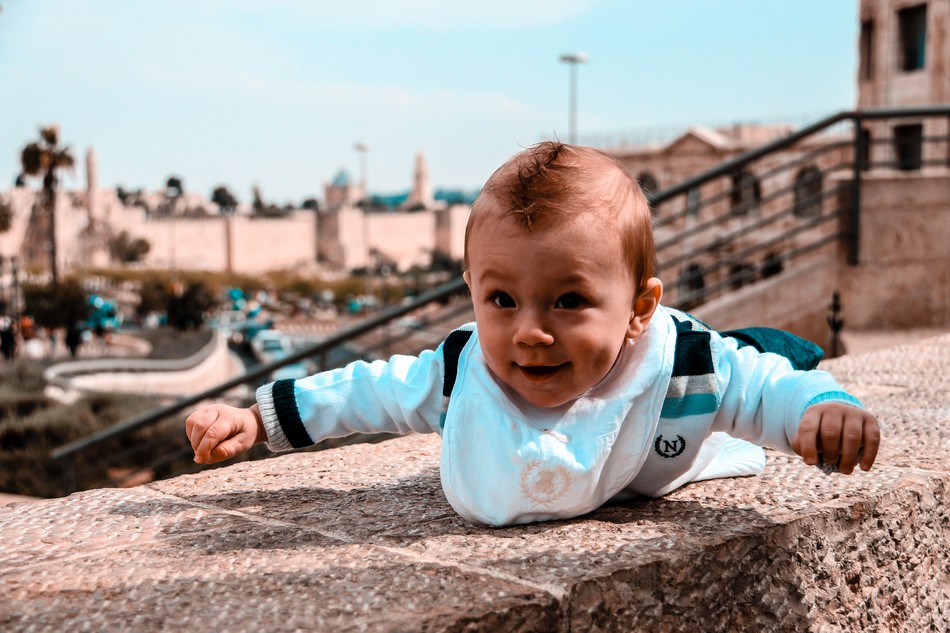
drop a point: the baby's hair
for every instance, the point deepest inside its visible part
(554, 182)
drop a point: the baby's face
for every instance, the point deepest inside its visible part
(553, 305)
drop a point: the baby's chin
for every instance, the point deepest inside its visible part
(546, 400)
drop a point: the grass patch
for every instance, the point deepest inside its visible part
(32, 425)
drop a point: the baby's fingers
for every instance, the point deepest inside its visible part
(805, 442)
(198, 423)
(872, 442)
(852, 436)
(210, 435)
(228, 449)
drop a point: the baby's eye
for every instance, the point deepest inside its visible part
(570, 301)
(502, 300)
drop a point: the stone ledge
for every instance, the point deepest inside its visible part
(361, 538)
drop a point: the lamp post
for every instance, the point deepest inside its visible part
(363, 149)
(3, 291)
(572, 60)
(15, 283)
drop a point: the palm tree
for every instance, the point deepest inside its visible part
(45, 158)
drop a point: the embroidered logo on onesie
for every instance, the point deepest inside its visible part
(545, 484)
(669, 448)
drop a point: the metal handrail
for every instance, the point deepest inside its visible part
(444, 291)
(729, 166)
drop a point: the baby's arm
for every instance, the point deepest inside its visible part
(838, 430)
(797, 412)
(219, 432)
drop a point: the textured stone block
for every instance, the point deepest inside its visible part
(362, 538)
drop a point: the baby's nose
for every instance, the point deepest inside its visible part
(530, 330)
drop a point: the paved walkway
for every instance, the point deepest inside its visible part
(361, 538)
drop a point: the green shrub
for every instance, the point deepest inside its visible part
(32, 426)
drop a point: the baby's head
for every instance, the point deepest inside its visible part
(553, 183)
(559, 257)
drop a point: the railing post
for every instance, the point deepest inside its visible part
(854, 228)
(69, 474)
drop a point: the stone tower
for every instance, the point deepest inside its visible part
(94, 238)
(421, 194)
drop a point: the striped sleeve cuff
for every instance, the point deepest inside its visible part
(282, 423)
(835, 396)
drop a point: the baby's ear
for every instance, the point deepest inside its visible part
(467, 276)
(644, 306)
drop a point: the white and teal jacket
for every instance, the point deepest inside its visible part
(682, 403)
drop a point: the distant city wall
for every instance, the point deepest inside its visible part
(240, 243)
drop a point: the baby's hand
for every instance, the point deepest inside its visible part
(838, 431)
(220, 432)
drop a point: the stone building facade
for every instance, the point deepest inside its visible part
(904, 61)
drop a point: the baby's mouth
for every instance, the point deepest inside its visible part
(539, 372)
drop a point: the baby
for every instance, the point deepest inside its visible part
(574, 385)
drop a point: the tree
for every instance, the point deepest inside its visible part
(263, 209)
(153, 295)
(186, 310)
(125, 249)
(56, 305)
(6, 216)
(174, 186)
(173, 191)
(310, 203)
(225, 200)
(45, 158)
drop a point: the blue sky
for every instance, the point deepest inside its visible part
(275, 93)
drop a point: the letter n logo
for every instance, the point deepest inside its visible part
(669, 448)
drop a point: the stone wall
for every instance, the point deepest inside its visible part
(240, 243)
(903, 279)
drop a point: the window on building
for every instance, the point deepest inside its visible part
(741, 274)
(772, 265)
(650, 186)
(692, 287)
(692, 202)
(865, 156)
(912, 37)
(746, 193)
(808, 186)
(648, 182)
(908, 146)
(866, 70)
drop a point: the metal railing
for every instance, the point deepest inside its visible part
(752, 216)
(383, 337)
(741, 221)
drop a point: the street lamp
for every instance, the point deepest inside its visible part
(3, 291)
(572, 60)
(363, 148)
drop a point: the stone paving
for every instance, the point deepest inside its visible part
(361, 538)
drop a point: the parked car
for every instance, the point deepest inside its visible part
(269, 346)
(231, 323)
